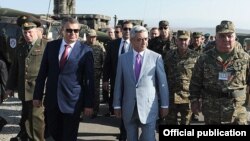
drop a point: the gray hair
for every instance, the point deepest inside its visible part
(137, 29)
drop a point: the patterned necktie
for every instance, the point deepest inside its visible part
(64, 56)
(123, 47)
(137, 66)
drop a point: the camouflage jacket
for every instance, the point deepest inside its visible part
(98, 53)
(160, 46)
(213, 77)
(179, 71)
(199, 49)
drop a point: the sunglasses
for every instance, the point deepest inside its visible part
(161, 28)
(117, 32)
(126, 29)
(72, 30)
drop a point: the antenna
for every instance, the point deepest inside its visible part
(48, 10)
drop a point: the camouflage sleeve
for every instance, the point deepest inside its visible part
(248, 72)
(103, 54)
(196, 82)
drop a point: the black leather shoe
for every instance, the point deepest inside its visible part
(21, 136)
(94, 116)
(2, 123)
(194, 117)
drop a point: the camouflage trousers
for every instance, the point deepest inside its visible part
(98, 73)
(178, 109)
(224, 110)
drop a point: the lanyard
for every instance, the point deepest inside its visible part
(224, 64)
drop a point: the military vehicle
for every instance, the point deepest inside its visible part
(10, 33)
(134, 22)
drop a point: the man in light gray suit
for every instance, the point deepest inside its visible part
(140, 83)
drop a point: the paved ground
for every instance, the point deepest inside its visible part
(98, 129)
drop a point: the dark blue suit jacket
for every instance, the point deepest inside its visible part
(110, 62)
(71, 86)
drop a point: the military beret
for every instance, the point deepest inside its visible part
(163, 23)
(197, 34)
(225, 27)
(28, 22)
(91, 32)
(247, 41)
(182, 34)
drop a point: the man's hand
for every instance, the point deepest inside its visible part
(88, 111)
(105, 86)
(196, 107)
(163, 112)
(118, 113)
(37, 103)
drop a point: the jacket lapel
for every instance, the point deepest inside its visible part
(35, 47)
(57, 49)
(145, 63)
(130, 64)
(75, 50)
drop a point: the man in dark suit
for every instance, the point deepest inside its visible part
(67, 70)
(116, 48)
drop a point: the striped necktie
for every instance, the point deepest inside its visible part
(64, 56)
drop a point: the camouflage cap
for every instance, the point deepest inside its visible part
(247, 41)
(197, 34)
(91, 32)
(207, 35)
(225, 27)
(182, 34)
(163, 23)
(28, 22)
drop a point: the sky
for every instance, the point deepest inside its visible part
(179, 13)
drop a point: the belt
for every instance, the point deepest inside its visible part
(229, 94)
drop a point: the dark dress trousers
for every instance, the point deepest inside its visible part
(68, 91)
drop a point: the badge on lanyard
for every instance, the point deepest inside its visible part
(224, 75)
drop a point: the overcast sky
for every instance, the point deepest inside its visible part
(180, 13)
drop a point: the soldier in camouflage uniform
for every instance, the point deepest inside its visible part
(220, 80)
(179, 64)
(247, 49)
(198, 46)
(22, 76)
(99, 54)
(164, 42)
(247, 45)
(196, 42)
(212, 44)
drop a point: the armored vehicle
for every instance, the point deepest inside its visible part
(134, 22)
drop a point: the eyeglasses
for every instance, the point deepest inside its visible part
(117, 32)
(72, 30)
(126, 29)
(161, 28)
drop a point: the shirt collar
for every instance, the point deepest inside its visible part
(71, 45)
(141, 53)
(127, 41)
